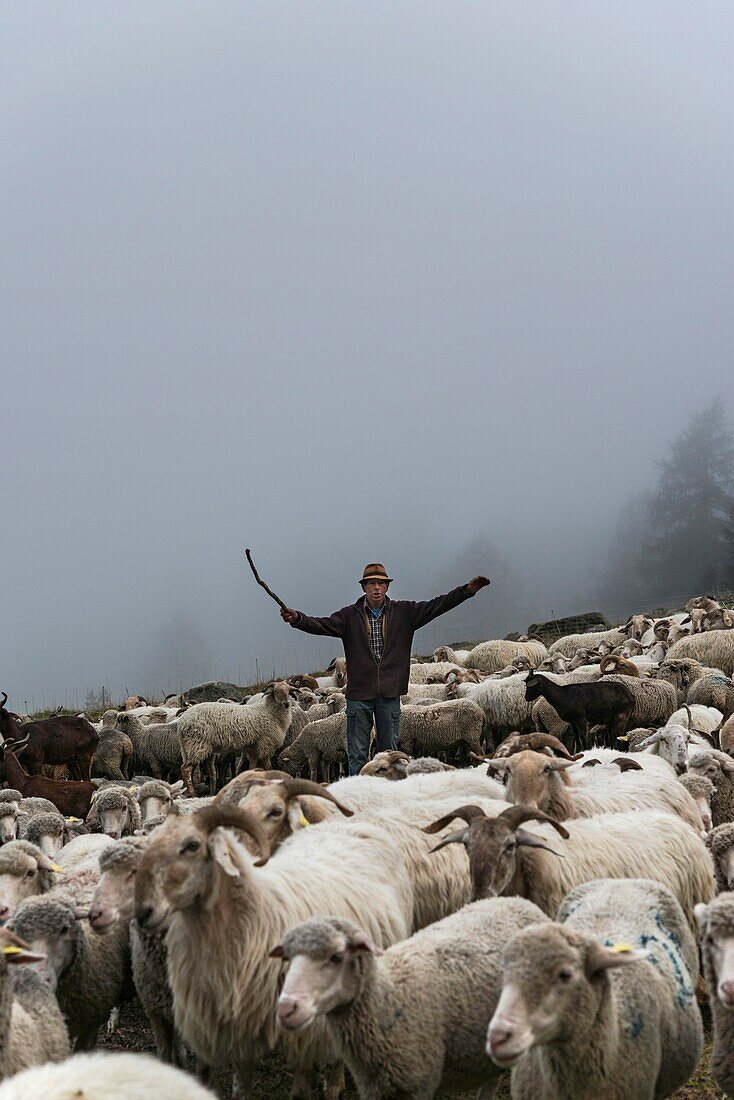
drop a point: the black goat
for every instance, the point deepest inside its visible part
(582, 705)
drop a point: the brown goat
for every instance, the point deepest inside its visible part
(72, 797)
(59, 740)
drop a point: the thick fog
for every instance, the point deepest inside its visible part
(430, 284)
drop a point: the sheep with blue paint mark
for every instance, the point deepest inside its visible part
(602, 1003)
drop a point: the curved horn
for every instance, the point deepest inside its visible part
(294, 787)
(5, 699)
(466, 813)
(536, 741)
(516, 815)
(234, 817)
(16, 746)
(626, 765)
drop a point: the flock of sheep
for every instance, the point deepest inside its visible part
(483, 902)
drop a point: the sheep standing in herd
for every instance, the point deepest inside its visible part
(428, 924)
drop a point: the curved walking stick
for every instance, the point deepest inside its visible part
(262, 583)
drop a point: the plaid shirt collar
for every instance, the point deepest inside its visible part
(374, 629)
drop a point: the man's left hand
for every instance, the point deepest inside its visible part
(476, 583)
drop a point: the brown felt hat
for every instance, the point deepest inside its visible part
(375, 572)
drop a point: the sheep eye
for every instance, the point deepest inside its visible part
(510, 844)
(31, 873)
(337, 958)
(565, 975)
(191, 846)
(276, 811)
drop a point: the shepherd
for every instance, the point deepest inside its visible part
(377, 634)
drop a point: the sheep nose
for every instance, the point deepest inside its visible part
(4, 913)
(727, 991)
(143, 914)
(499, 1034)
(8, 837)
(286, 1007)
(680, 768)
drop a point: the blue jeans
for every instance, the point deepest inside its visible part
(360, 714)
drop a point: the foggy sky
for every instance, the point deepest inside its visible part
(342, 283)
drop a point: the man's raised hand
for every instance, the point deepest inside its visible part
(288, 614)
(474, 585)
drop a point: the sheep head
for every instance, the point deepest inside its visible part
(555, 981)
(389, 765)
(188, 856)
(530, 777)
(327, 958)
(492, 843)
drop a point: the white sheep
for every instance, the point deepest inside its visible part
(365, 792)
(208, 730)
(197, 876)
(574, 1021)
(570, 644)
(583, 774)
(716, 925)
(493, 655)
(104, 1076)
(32, 1029)
(714, 648)
(656, 845)
(443, 982)
(535, 779)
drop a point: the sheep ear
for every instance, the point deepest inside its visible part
(221, 852)
(177, 788)
(600, 958)
(360, 941)
(296, 817)
(81, 912)
(13, 954)
(700, 912)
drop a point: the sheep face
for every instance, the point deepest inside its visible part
(114, 821)
(180, 866)
(8, 822)
(717, 941)
(554, 983)
(114, 898)
(530, 777)
(22, 881)
(53, 933)
(388, 765)
(670, 743)
(325, 969)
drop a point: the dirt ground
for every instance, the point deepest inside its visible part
(273, 1081)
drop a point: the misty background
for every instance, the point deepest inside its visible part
(435, 284)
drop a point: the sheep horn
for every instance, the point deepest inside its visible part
(516, 815)
(5, 699)
(466, 813)
(234, 817)
(294, 787)
(626, 765)
(591, 763)
(535, 741)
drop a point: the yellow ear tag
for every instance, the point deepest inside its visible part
(55, 867)
(12, 950)
(303, 821)
(133, 789)
(73, 820)
(622, 948)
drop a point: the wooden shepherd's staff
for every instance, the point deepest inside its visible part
(262, 583)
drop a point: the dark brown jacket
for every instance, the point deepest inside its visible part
(365, 678)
